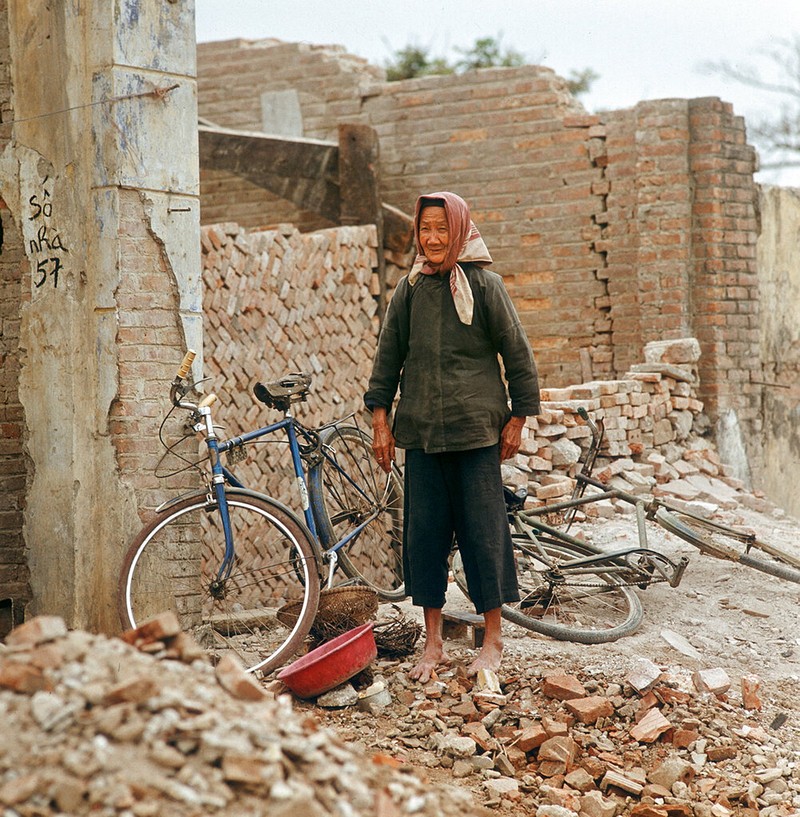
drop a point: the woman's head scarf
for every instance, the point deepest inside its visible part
(466, 246)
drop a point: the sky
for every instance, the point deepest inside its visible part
(642, 49)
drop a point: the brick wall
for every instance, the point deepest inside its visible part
(592, 220)
(611, 231)
(649, 226)
(280, 301)
(149, 341)
(513, 142)
(330, 85)
(724, 275)
(14, 477)
(516, 146)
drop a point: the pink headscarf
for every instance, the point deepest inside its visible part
(466, 245)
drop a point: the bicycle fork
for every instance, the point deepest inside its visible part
(218, 496)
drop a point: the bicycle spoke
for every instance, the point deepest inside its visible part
(589, 607)
(349, 491)
(177, 568)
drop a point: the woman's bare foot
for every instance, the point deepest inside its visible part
(491, 653)
(434, 653)
(432, 657)
(490, 657)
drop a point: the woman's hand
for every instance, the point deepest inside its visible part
(382, 439)
(511, 438)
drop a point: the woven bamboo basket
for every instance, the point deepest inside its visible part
(340, 609)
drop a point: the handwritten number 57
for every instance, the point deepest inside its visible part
(45, 266)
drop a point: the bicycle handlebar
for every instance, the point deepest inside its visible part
(186, 364)
(179, 389)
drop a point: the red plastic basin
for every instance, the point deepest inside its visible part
(332, 663)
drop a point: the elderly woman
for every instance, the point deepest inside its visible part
(449, 323)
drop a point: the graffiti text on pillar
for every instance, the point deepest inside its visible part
(46, 246)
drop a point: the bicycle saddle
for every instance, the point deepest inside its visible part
(514, 500)
(280, 393)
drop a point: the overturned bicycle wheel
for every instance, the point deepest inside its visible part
(587, 605)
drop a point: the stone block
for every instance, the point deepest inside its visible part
(650, 727)
(670, 771)
(480, 734)
(593, 804)
(531, 737)
(715, 681)
(560, 749)
(750, 685)
(36, 631)
(683, 351)
(644, 675)
(233, 678)
(22, 677)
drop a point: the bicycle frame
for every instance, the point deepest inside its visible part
(616, 561)
(523, 522)
(221, 474)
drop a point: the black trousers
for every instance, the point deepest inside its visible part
(457, 493)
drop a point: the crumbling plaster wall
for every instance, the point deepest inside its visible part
(99, 175)
(779, 288)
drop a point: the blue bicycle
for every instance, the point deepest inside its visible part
(227, 560)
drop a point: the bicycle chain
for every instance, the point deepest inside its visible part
(650, 580)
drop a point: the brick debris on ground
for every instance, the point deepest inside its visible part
(102, 727)
(563, 742)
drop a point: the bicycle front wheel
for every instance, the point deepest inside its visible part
(728, 543)
(352, 496)
(174, 565)
(587, 605)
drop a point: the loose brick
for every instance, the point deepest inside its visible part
(37, 631)
(562, 686)
(650, 727)
(591, 709)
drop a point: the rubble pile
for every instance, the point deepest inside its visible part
(149, 727)
(93, 725)
(651, 742)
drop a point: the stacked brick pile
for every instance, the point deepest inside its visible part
(652, 418)
(281, 301)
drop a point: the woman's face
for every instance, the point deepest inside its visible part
(434, 234)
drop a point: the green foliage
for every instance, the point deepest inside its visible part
(580, 82)
(487, 52)
(414, 61)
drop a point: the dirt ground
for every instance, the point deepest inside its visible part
(723, 615)
(736, 618)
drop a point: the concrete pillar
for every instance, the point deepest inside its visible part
(99, 171)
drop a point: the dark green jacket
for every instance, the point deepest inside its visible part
(452, 394)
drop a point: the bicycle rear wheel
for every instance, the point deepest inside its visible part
(349, 491)
(728, 543)
(173, 566)
(589, 607)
